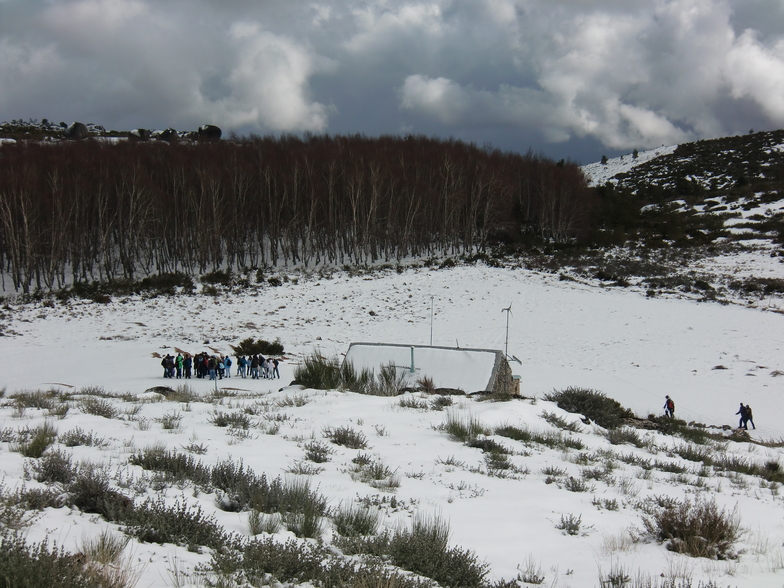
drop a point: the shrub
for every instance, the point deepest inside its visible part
(90, 492)
(487, 445)
(411, 401)
(693, 453)
(570, 524)
(54, 467)
(318, 372)
(573, 484)
(317, 452)
(424, 550)
(514, 433)
(621, 435)
(170, 421)
(441, 402)
(305, 522)
(375, 473)
(166, 283)
(699, 528)
(462, 429)
(355, 521)
(260, 523)
(258, 347)
(105, 549)
(37, 399)
(36, 441)
(154, 522)
(99, 407)
(347, 437)
(39, 566)
(561, 422)
(604, 411)
(235, 420)
(242, 488)
(218, 277)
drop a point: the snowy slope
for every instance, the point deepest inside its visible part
(599, 174)
(707, 356)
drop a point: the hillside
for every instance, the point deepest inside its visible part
(533, 494)
(719, 191)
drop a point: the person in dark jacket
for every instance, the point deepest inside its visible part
(669, 407)
(743, 417)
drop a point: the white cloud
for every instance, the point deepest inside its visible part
(269, 83)
(626, 73)
(757, 72)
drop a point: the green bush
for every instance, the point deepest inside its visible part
(154, 522)
(54, 467)
(604, 411)
(462, 429)
(258, 347)
(622, 435)
(218, 277)
(41, 566)
(76, 437)
(424, 550)
(37, 399)
(699, 529)
(347, 437)
(235, 420)
(317, 452)
(99, 407)
(356, 521)
(241, 487)
(36, 441)
(90, 492)
(570, 524)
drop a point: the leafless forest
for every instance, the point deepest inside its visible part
(89, 210)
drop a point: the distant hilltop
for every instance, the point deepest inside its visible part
(33, 129)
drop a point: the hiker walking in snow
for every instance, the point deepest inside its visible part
(749, 418)
(275, 371)
(669, 407)
(742, 421)
(227, 363)
(745, 416)
(178, 365)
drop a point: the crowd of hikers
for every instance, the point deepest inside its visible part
(746, 416)
(217, 367)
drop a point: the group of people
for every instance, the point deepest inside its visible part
(218, 366)
(257, 366)
(746, 416)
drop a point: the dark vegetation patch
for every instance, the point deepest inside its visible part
(594, 405)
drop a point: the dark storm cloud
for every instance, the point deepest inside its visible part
(566, 75)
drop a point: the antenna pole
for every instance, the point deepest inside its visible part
(431, 321)
(508, 311)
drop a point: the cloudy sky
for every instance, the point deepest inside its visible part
(569, 78)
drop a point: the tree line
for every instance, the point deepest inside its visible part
(90, 210)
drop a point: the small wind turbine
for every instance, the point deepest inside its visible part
(508, 312)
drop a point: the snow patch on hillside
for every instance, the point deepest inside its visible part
(599, 174)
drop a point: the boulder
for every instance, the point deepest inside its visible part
(77, 131)
(140, 134)
(169, 135)
(209, 133)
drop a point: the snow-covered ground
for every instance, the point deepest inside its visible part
(599, 174)
(707, 356)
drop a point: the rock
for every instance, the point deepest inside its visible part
(77, 131)
(141, 134)
(169, 135)
(162, 390)
(209, 133)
